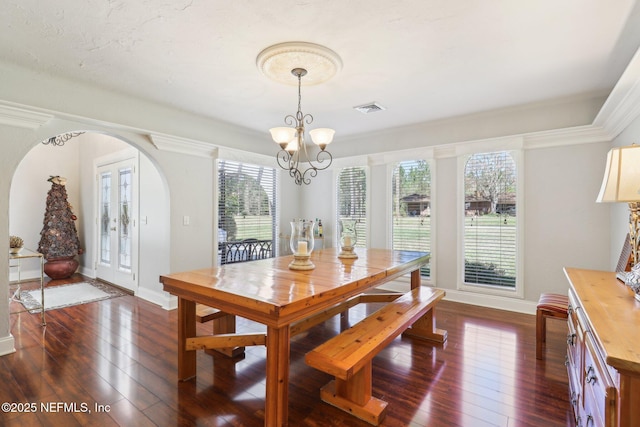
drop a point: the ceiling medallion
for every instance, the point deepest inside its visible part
(277, 61)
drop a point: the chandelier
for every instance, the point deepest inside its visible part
(292, 144)
(320, 64)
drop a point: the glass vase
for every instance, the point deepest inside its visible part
(348, 238)
(301, 244)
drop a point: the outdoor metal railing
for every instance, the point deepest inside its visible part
(244, 250)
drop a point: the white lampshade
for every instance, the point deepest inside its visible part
(282, 135)
(322, 136)
(621, 182)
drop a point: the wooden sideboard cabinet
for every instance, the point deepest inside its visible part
(603, 350)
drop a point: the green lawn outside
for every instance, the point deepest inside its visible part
(253, 227)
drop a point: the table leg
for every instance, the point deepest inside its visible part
(186, 329)
(276, 412)
(415, 279)
(44, 322)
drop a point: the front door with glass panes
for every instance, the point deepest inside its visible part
(117, 224)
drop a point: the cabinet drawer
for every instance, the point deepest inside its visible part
(599, 392)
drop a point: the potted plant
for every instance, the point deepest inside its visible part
(15, 244)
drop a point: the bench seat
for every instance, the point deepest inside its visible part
(348, 356)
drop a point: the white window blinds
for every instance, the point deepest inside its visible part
(246, 211)
(352, 200)
(490, 219)
(411, 210)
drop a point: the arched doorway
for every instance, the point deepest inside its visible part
(79, 160)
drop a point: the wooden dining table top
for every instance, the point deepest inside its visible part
(267, 291)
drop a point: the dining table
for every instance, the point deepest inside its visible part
(269, 292)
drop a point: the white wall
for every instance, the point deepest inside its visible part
(154, 235)
(564, 226)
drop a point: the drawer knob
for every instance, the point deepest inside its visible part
(590, 421)
(590, 376)
(571, 339)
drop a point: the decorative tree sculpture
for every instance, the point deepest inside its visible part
(59, 243)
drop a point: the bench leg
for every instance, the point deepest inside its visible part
(541, 332)
(354, 396)
(226, 325)
(425, 328)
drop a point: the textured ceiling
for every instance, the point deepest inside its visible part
(421, 59)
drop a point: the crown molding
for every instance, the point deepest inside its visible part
(622, 106)
(22, 118)
(586, 134)
(183, 146)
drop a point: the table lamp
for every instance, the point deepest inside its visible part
(621, 183)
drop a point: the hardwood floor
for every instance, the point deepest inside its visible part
(115, 360)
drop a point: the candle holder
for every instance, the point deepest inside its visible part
(348, 238)
(301, 244)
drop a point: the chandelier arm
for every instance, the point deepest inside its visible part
(312, 171)
(284, 159)
(296, 175)
(321, 158)
(307, 118)
(291, 120)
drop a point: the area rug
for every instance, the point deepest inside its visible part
(67, 295)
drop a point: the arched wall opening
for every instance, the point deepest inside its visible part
(77, 160)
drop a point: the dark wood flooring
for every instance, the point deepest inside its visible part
(113, 363)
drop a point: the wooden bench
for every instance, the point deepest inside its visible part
(348, 356)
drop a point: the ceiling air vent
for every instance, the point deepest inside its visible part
(371, 107)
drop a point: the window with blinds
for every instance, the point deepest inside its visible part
(352, 200)
(246, 212)
(411, 210)
(490, 246)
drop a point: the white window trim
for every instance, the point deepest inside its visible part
(518, 292)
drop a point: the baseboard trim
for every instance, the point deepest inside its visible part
(491, 301)
(163, 299)
(7, 345)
